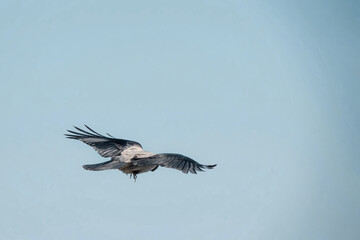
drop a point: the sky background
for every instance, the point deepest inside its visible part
(268, 90)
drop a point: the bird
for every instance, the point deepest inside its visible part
(129, 156)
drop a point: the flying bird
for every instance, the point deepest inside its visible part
(129, 156)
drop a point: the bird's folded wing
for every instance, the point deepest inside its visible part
(171, 160)
(105, 146)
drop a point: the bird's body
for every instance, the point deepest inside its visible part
(129, 156)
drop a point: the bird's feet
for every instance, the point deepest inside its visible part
(133, 175)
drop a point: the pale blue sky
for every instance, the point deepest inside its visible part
(268, 90)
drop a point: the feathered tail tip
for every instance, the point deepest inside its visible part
(95, 167)
(89, 167)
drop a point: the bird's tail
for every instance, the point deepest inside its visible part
(104, 166)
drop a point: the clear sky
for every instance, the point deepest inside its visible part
(268, 90)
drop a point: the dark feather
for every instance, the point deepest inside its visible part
(104, 166)
(171, 160)
(105, 146)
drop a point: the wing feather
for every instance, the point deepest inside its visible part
(172, 160)
(105, 146)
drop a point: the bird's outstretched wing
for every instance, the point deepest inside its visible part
(172, 160)
(105, 146)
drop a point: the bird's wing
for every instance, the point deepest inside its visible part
(171, 160)
(105, 146)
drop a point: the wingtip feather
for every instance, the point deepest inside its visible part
(210, 166)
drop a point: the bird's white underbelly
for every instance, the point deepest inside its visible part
(130, 153)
